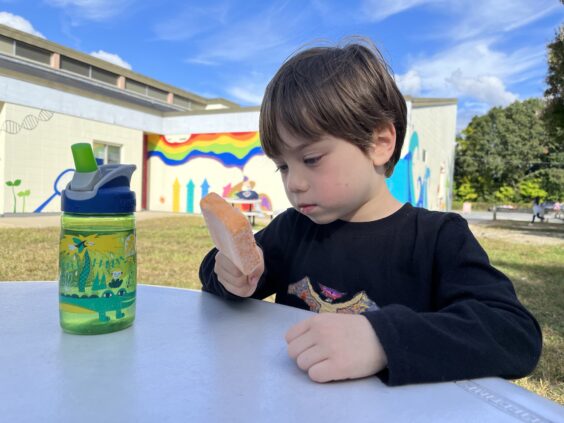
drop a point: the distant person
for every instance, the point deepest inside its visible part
(557, 209)
(398, 291)
(538, 210)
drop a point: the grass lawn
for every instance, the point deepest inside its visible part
(170, 250)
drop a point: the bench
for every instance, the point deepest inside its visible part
(504, 209)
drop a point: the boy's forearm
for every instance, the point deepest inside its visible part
(467, 340)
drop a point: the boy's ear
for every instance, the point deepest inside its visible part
(383, 144)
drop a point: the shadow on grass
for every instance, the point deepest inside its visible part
(552, 230)
(544, 272)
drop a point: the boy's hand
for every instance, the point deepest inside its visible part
(233, 279)
(332, 346)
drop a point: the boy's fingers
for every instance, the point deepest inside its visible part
(297, 330)
(322, 372)
(240, 289)
(224, 277)
(300, 344)
(310, 358)
(227, 265)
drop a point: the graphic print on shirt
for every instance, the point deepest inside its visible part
(329, 300)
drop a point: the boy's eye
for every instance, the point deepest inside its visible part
(312, 160)
(281, 168)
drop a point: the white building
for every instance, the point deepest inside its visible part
(184, 145)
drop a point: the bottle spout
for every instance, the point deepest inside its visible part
(87, 173)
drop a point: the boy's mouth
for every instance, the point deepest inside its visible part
(306, 208)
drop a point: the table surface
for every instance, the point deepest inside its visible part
(193, 357)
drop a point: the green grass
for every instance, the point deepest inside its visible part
(170, 250)
(537, 273)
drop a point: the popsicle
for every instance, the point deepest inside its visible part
(231, 232)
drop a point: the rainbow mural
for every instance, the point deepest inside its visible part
(231, 149)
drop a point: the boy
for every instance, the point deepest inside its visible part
(401, 292)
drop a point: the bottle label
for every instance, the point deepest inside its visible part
(97, 274)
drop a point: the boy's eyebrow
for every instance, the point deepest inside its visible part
(297, 149)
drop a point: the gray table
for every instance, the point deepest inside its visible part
(192, 357)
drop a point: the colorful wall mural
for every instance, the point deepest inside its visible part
(61, 181)
(233, 149)
(184, 158)
(59, 184)
(408, 184)
(179, 155)
(13, 184)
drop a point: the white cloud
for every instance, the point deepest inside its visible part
(379, 10)
(474, 72)
(249, 91)
(473, 18)
(486, 88)
(112, 58)
(473, 69)
(191, 22)
(94, 10)
(467, 18)
(409, 83)
(266, 37)
(200, 61)
(246, 94)
(19, 23)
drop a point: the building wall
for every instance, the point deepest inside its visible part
(436, 128)
(37, 153)
(217, 152)
(423, 175)
(2, 156)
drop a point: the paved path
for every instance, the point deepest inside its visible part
(487, 216)
(45, 220)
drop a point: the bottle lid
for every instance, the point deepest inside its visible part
(83, 156)
(97, 190)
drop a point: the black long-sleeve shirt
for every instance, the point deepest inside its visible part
(439, 308)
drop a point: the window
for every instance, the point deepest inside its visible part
(6, 45)
(156, 93)
(75, 66)
(135, 86)
(107, 153)
(104, 76)
(33, 53)
(182, 102)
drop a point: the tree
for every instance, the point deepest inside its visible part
(500, 148)
(552, 175)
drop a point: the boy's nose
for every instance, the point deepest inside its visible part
(296, 182)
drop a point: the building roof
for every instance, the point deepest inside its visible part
(429, 102)
(44, 64)
(11, 61)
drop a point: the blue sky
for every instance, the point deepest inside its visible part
(484, 52)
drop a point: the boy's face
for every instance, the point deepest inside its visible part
(330, 179)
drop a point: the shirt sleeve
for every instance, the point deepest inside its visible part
(272, 240)
(477, 327)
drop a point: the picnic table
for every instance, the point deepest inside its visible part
(193, 357)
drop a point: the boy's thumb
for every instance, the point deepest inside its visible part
(253, 280)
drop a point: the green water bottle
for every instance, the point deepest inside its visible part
(97, 255)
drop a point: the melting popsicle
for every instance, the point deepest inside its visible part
(231, 232)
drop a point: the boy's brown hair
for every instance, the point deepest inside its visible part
(346, 92)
